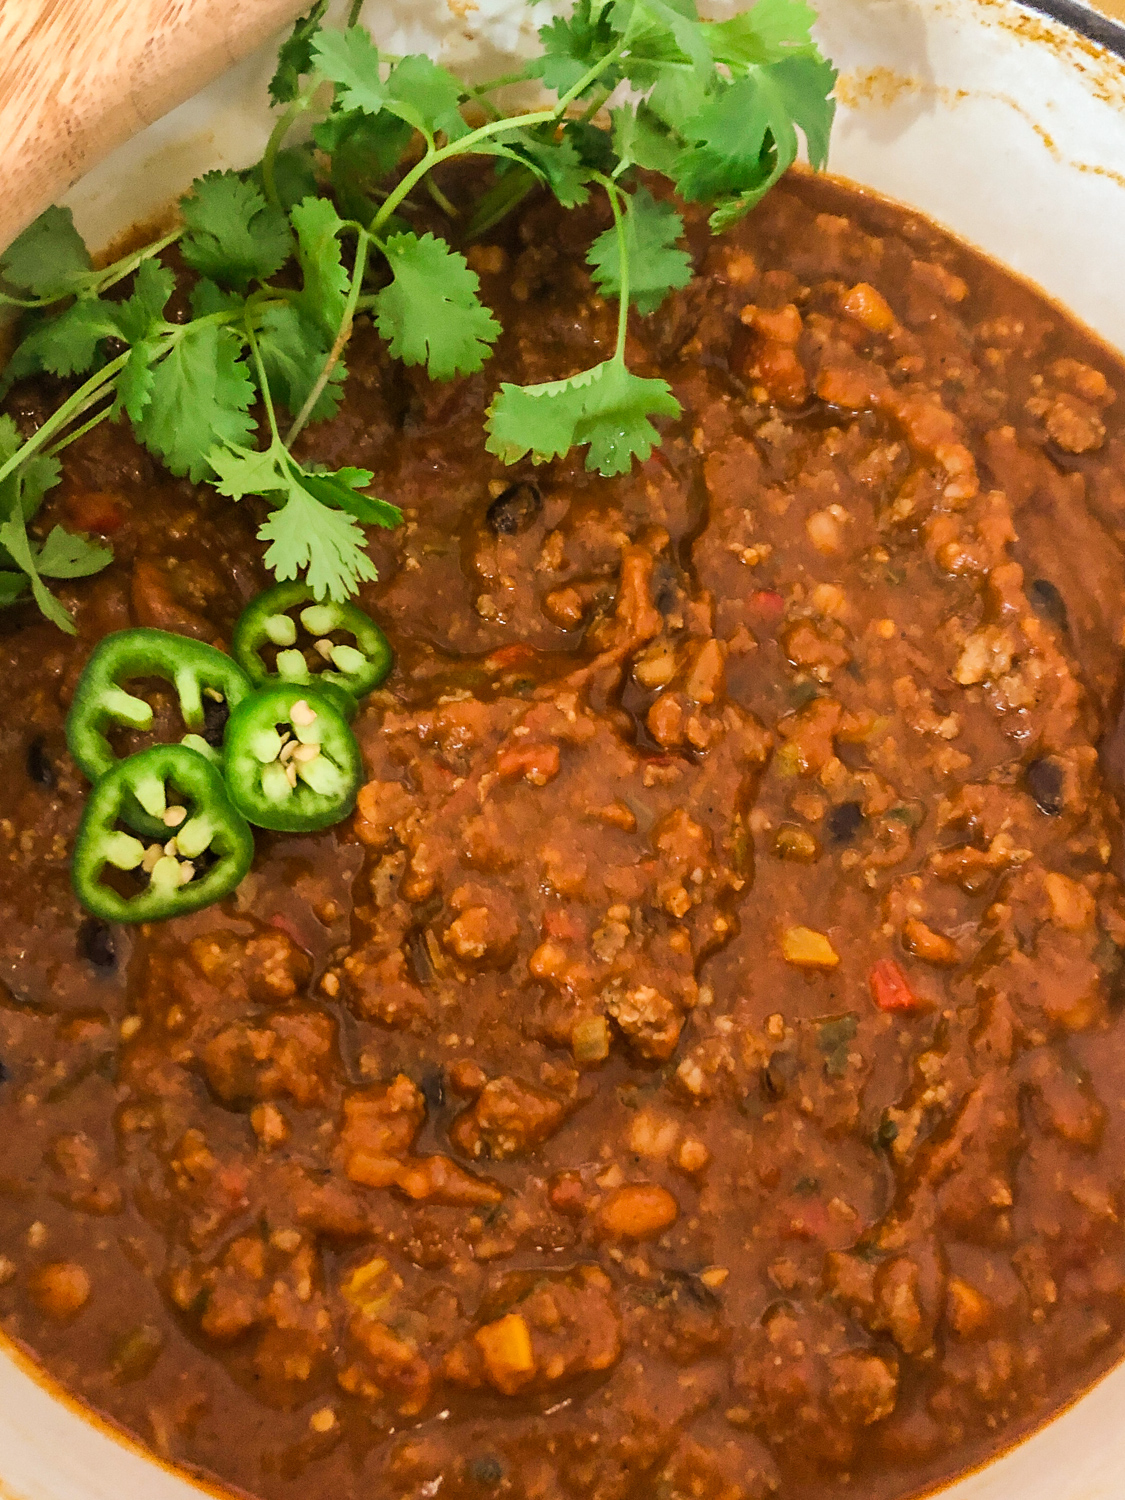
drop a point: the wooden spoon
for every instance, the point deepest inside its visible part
(78, 77)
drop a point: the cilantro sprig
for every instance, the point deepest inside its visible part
(279, 262)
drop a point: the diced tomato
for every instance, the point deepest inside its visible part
(890, 988)
(95, 510)
(767, 605)
(511, 656)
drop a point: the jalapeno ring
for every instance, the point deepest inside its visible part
(203, 853)
(291, 762)
(267, 624)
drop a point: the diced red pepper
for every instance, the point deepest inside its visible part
(95, 510)
(890, 988)
(767, 605)
(514, 655)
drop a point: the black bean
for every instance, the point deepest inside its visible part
(39, 767)
(1045, 783)
(779, 1074)
(1048, 602)
(4, 1073)
(433, 1089)
(516, 509)
(216, 712)
(96, 945)
(844, 822)
(488, 1470)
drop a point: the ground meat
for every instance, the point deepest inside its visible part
(696, 1067)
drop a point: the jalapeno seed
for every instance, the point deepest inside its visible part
(280, 629)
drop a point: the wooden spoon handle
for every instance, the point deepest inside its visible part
(78, 77)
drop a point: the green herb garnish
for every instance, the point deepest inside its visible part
(287, 255)
(834, 1036)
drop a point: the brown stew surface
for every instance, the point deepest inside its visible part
(698, 1070)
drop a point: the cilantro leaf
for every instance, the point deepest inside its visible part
(294, 175)
(234, 236)
(67, 555)
(364, 149)
(351, 60)
(64, 343)
(49, 259)
(641, 140)
(293, 350)
(806, 83)
(201, 393)
(656, 266)
(557, 163)
(573, 44)
(26, 486)
(746, 136)
(667, 54)
(295, 56)
(593, 145)
(767, 33)
(325, 289)
(240, 471)
(12, 587)
(607, 407)
(140, 320)
(326, 545)
(343, 491)
(431, 313)
(143, 310)
(313, 527)
(14, 540)
(426, 96)
(207, 298)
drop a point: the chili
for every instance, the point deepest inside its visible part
(292, 764)
(206, 849)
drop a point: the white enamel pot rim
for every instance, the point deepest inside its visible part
(1005, 123)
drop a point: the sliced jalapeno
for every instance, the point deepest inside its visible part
(284, 635)
(208, 685)
(292, 764)
(203, 852)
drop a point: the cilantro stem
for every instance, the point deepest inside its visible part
(441, 200)
(72, 437)
(339, 343)
(613, 193)
(280, 130)
(465, 146)
(355, 12)
(83, 398)
(263, 382)
(130, 263)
